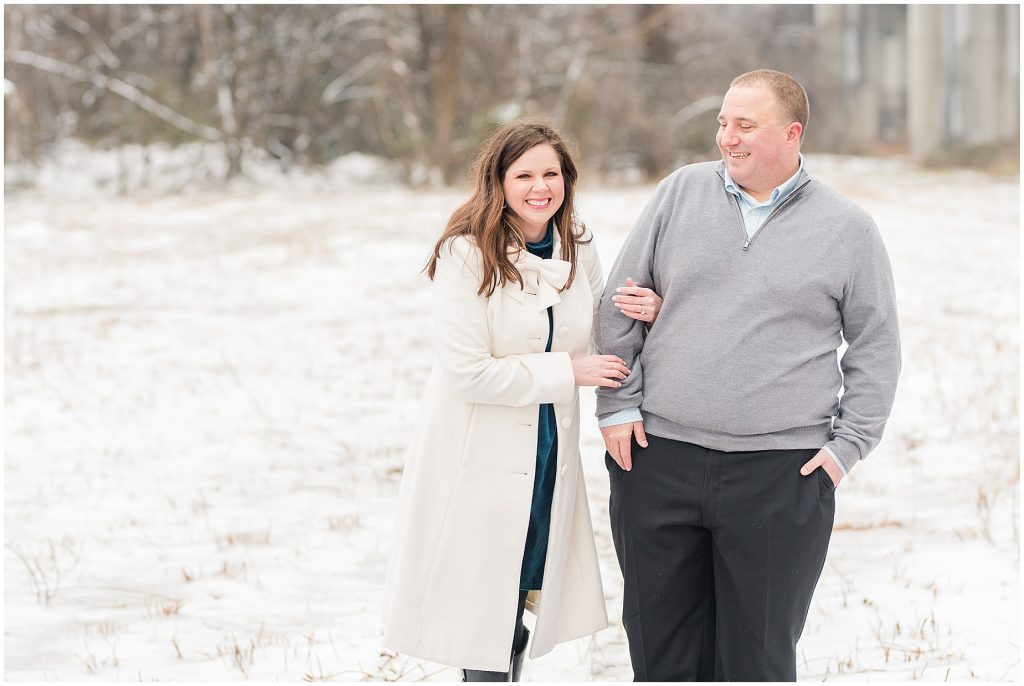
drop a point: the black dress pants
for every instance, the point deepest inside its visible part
(720, 553)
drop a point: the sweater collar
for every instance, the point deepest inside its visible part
(778, 194)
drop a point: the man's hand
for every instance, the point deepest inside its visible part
(616, 441)
(823, 459)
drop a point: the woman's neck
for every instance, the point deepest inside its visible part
(535, 234)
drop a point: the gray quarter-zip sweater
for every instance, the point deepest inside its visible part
(744, 353)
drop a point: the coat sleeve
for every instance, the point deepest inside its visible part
(462, 336)
(590, 262)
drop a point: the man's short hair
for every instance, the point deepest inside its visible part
(791, 95)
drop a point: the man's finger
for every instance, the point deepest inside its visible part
(641, 437)
(610, 446)
(618, 460)
(813, 463)
(614, 446)
(625, 453)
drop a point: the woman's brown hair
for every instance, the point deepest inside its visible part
(491, 224)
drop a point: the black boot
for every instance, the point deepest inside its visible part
(518, 655)
(480, 675)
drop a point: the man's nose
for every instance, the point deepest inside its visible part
(729, 136)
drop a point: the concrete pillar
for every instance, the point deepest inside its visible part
(1008, 90)
(861, 76)
(825, 127)
(926, 96)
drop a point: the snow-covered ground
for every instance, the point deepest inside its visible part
(208, 396)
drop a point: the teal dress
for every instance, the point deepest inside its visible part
(532, 575)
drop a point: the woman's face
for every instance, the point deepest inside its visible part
(534, 189)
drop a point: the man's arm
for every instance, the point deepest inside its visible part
(871, 363)
(618, 409)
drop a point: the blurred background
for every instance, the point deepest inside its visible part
(216, 328)
(638, 87)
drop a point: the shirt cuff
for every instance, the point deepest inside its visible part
(836, 458)
(627, 416)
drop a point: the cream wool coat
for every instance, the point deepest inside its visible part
(464, 503)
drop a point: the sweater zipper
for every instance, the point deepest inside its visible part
(767, 219)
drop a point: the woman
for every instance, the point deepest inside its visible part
(493, 508)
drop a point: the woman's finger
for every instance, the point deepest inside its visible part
(633, 290)
(612, 373)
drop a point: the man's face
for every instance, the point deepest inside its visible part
(760, 149)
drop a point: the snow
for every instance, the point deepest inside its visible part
(208, 395)
(73, 169)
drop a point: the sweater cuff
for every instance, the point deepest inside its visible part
(627, 416)
(839, 462)
(845, 453)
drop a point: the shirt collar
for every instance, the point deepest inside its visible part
(780, 191)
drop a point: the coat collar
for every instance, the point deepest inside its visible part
(543, 278)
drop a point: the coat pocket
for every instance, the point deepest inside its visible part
(501, 439)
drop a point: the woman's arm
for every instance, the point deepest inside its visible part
(463, 342)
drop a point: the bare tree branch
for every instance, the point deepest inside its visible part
(126, 91)
(103, 52)
(335, 89)
(694, 109)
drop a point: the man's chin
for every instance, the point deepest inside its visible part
(739, 176)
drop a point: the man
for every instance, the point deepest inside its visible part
(727, 440)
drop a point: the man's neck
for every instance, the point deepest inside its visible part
(763, 193)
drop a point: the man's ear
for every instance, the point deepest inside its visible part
(793, 132)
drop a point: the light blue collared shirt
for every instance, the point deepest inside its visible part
(754, 213)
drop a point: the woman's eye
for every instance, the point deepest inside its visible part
(523, 176)
(552, 174)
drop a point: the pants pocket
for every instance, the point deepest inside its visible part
(825, 480)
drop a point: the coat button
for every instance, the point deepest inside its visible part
(562, 470)
(564, 331)
(566, 422)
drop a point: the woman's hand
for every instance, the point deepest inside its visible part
(599, 370)
(637, 302)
